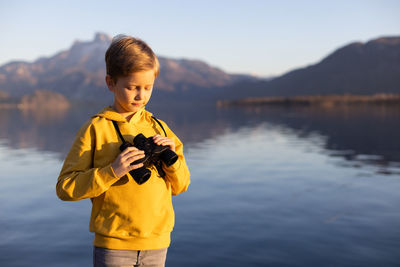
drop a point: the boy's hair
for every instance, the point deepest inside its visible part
(127, 54)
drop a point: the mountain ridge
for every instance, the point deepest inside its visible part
(78, 73)
(358, 68)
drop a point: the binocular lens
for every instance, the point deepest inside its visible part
(140, 175)
(169, 157)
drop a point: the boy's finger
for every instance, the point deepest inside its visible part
(161, 142)
(136, 166)
(166, 142)
(160, 139)
(130, 150)
(134, 152)
(157, 142)
(134, 158)
(157, 137)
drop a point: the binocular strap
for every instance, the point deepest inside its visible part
(118, 131)
(159, 123)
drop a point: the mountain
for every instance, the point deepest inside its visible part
(78, 73)
(358, 68)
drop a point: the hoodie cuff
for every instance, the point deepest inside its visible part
(107, 174)
(174, 167)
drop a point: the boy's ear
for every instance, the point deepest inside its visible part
(110, 83)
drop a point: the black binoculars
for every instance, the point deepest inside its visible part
(153, 155)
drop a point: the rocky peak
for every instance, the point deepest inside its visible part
(102, 37)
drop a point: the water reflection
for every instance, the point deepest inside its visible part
(361, 135)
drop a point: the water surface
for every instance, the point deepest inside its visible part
(270, 187)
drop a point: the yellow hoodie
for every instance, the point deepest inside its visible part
(124, 215)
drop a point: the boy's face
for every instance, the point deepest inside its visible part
(131, 92)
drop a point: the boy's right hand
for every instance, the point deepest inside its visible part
(122, 164)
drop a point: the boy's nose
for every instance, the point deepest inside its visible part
(139, 94)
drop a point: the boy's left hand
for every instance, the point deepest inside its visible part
(164, 141)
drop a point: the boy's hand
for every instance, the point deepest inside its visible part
(122, 164)
(164, 141)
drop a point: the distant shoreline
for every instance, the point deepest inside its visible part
(22, 106)
(40, 99)
(8, 106)
(323, 101)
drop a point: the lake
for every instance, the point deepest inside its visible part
(271, 186)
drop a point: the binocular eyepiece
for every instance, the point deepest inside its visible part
(153, 154)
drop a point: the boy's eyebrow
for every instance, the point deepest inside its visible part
(135, 84)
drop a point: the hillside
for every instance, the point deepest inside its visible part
(78, 73)
(358, 69)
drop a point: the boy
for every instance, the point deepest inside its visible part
(132, 220)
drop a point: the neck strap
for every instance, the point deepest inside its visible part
(118, 131)
(159, 123)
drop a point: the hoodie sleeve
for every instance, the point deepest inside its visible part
(78, 179)
(178, 173)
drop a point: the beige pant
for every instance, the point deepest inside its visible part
(103, 257)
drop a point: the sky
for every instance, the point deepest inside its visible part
(263, 38)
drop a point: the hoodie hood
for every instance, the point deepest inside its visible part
(111, 114)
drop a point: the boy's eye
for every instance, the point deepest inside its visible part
(131, 88)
